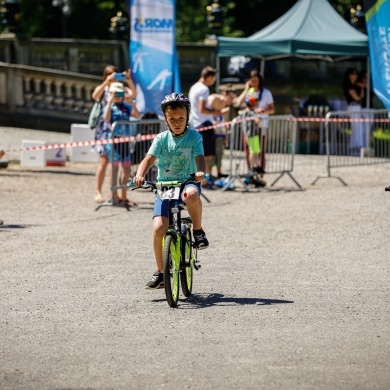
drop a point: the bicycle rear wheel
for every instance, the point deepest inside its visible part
(186, 275)
(171, 270)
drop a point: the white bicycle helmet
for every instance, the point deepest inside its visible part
(175, 99)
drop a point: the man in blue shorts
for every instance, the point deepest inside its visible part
(179, 151)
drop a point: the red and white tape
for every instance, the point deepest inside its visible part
(222, 124)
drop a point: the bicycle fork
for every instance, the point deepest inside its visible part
(175, 250)
(189, 251)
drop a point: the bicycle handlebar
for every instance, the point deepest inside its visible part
(154, 185)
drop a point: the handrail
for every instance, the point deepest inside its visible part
(34, 91)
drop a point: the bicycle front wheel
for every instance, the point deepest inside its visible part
(186, 275)
(171, 270)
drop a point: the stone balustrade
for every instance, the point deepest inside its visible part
(32, 92)
(47, 83)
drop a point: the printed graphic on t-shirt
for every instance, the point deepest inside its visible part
(177, 162)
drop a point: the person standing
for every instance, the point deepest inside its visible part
(202, 116)
(102, 132)
(117, 110)
(263, 106)
(353, 95)
(219, 102)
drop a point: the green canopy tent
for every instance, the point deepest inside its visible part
(311, 29)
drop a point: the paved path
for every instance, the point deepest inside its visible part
(293, 294)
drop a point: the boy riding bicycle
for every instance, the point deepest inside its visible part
(179, 152)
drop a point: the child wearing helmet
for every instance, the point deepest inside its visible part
(179, 152)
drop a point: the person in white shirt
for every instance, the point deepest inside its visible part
(219, 102)
(201, 116)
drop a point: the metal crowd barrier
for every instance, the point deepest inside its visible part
(131, 142)
(277, 148)
(356, 138)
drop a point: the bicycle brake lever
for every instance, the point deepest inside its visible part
(132, 184)
(145, 186)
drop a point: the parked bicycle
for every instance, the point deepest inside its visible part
(179, 252)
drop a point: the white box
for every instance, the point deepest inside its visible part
(82, 153)
(42, 158)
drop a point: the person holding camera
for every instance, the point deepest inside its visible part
(116, 110)
(101, 93)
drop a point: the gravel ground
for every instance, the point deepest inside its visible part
(293, 292)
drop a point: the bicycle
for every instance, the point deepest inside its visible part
(179, 251)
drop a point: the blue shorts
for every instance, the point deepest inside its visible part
(161, 206)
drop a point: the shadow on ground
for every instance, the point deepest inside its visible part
(4, 227)
(198, 301)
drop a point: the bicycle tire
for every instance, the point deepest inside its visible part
(171, 271)
(187, 274)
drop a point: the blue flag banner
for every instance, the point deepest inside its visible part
(378, 29)
(153, 52)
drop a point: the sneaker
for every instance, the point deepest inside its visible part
(157, 281)
(222, 176)
(259, 182)
(208, 186)
(248, 180)
(201, 241)
(259, 170)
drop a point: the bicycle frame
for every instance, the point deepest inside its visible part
(175, 221)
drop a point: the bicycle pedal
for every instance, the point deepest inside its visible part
(197, 265)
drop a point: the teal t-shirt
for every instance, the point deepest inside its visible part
(176, 156)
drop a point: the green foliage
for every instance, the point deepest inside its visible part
(381, 134)
(191, 23)
(191, 20)
(90, 19)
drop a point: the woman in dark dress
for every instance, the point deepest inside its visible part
(353, 95)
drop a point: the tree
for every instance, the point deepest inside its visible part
(257, 14)
(91, 19)
(191, 20)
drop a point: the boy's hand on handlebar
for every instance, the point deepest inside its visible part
(138, 180)
(200, 176)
